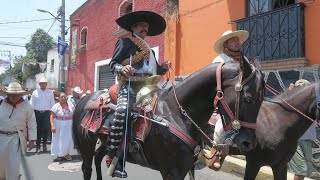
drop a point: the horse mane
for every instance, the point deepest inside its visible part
(288, 95)
(205, 75)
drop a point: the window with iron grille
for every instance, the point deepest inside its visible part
(260, 6)
(276, 29)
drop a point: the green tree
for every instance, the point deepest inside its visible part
(41, 42)
(37, 50)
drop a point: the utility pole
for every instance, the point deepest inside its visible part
(63, 29)
(7, 51)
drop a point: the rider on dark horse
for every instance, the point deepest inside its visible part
(228, 46)
(133, 61)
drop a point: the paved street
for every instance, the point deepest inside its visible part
(37, 167)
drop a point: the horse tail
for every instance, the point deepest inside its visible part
(75, 133)
(77, 118)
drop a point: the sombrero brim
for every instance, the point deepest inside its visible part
(242, 35)
(157, 24)
(12, 92)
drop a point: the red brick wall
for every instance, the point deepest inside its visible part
(99, 17)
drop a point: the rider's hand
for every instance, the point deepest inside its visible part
(127, 70)
(167, 65)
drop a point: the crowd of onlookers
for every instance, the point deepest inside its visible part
(53, 112)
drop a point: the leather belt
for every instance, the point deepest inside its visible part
(8, 132)
(136, 78)
(41, 111)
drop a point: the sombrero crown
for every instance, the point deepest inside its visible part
(14, 88)
(241, 34)
(156, 22)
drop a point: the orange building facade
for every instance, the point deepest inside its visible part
(287, 40)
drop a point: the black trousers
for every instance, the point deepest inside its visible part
(43, 126)
(117, 126)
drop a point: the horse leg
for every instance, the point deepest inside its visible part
(279, 172)
(100, 153)
(252, 170)
(191, 174)
(87, 152)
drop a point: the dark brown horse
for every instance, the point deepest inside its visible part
(278, 129)
(163, 150)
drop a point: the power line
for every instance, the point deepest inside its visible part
(11, 37)
(10, 44)
(52, 25)
(15, 22)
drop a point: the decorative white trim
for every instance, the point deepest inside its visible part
(96, 71)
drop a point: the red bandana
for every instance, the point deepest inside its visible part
(12, 104)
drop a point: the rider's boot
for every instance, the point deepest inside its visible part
(119, 170)
(219, 157)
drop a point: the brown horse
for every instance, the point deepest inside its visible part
(278, 129)
(165, 151)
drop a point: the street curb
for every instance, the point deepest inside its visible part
(237, 166)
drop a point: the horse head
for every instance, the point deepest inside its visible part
(196, 95)
(244, 93)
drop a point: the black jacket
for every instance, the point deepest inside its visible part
(123, 48)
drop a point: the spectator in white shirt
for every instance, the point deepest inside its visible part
(42, 101)
(76, 92)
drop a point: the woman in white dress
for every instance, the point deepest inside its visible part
(61, 128)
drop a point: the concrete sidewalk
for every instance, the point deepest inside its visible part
(238, 166)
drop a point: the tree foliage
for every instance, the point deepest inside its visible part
(37, 50)
(41, 42)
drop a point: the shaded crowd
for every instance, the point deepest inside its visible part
(31, 121)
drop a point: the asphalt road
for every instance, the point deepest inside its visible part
(42, 167)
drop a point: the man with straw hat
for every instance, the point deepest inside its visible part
(228, 46)
(15, 115)
(75, 97)
(42, 100)
(133, 57)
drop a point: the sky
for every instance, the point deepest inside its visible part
(18, 34)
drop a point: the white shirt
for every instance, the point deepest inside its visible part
(22, 115)
(42, 100)
(223, 57)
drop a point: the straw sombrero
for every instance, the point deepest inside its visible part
(77, 90)
(14, 88)
(156, 22)
(301, 82)
(241, 34)
(43, 80)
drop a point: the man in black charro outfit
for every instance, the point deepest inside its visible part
(143, 64)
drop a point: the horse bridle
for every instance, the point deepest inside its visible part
(235, 124)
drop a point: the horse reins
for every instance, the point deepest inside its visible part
(275, 92)
(235, 123)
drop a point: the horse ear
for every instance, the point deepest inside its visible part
(256, 62)
(245, 66)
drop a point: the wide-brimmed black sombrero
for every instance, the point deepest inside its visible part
(156, 22)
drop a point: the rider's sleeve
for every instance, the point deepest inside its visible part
(118, 56)
(160, 69)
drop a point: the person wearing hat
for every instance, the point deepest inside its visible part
(74, 99)
(303, 163)
(15, 115)
(228, 47)
(133, 57)
(42, 100)
(229, 44)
